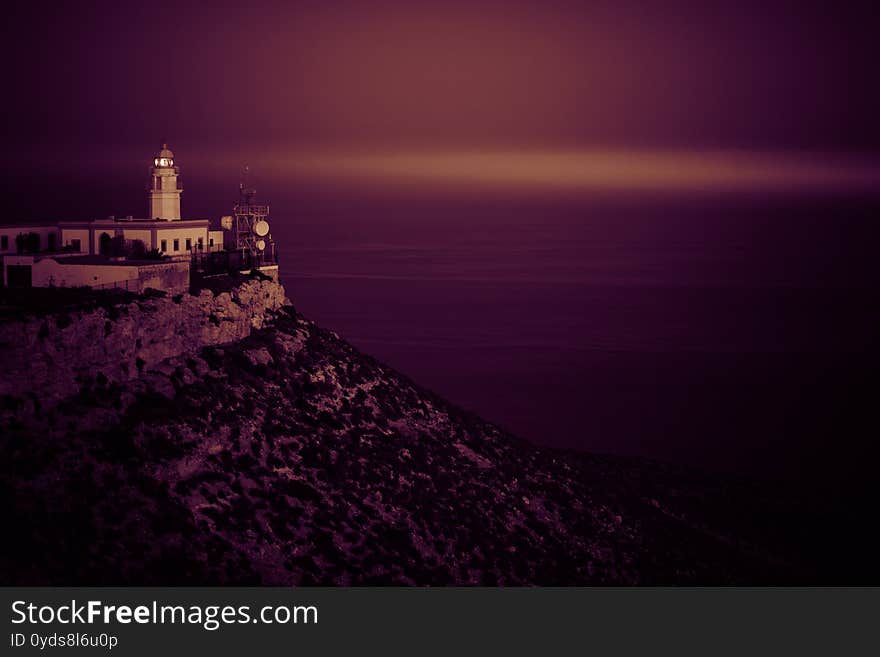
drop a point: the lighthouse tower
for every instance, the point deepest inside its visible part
(164, 192)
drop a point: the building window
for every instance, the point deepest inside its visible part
(51, 243)
(163, 245)
(211, 242)
(189, 244)
(200, 243)
(4, 242)
(76, 245)
(177, 245)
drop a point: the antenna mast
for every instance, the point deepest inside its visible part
(250, 225)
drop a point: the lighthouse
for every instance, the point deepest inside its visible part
(164, 191)
(161, 251)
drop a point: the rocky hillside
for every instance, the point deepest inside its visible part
(47, 356)
(288, 457)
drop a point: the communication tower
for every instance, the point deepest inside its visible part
(250, 226)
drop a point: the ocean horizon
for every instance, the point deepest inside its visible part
(715, 332)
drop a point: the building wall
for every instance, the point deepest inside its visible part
(96, 237)
(81, 234)
(164, 205)
(172, 277)
(11, 232)
(48, 272)
(144, 235)
(218, 237)
(149, 232)
(271, 271)
(181, 234)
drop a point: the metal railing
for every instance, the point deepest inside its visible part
(210, 263)
(129, 284)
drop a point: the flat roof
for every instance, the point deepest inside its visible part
(140, 222)
(28, 226)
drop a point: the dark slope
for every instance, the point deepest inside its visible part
(291, 458)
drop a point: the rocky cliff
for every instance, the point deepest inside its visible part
(285, 456)
(46, 359)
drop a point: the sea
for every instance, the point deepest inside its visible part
(736, 334)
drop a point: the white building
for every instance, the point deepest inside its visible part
(25, 247)
(16, 239)
(96, 272)
(176, 238)
(163, 230)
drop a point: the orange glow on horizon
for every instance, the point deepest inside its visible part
(585, 170)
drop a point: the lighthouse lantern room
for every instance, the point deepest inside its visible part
(164, 192)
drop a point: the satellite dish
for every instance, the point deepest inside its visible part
(261, 244)
(261, 228)
(226, 222)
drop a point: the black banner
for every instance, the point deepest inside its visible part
(231, 621)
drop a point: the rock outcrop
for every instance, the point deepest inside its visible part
(46, 359)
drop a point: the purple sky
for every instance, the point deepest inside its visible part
(460, 75)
